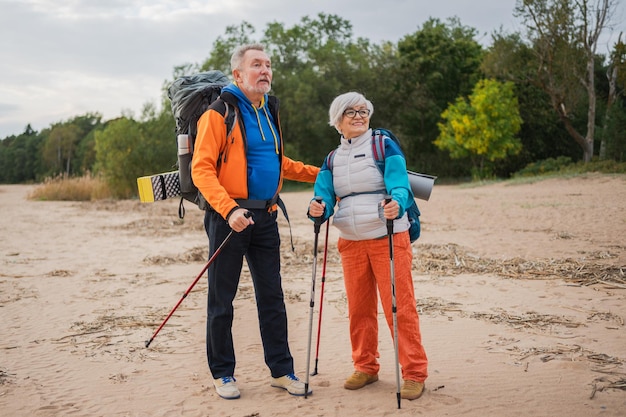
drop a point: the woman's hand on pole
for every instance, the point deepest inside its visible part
(317, 208)
(391, 209)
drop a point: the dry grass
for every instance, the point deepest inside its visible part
(65, 188)
(593, 268)
(6, 377)
(452, 259)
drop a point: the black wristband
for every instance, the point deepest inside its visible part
(231, 212)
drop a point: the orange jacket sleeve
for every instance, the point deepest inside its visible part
(210, 143)
(298, 171)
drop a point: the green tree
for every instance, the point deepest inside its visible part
(127, 149)
(68, 145)
(508, 58)
(85, 155)
(564, 35)
(223, 47)
(435, 65)
(20, 157)
(60, 147)
(315, 61)
(615, 129)
(484, 128)
(115, 146)
(613, 141)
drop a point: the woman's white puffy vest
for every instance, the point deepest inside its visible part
(360, 186)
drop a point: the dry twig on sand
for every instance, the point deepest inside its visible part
(453, 260)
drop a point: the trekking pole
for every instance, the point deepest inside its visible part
(217, 252)
(393, 301)
(319, 323)
(316, 228)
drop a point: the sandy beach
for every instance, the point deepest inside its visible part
(521, 289)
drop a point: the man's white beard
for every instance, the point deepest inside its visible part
(256, 90)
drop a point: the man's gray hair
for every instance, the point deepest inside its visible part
(343, 102)
(237, 57)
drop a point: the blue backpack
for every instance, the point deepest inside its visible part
(378, 152)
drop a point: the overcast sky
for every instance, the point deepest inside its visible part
(64, 58)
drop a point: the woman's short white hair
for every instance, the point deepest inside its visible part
(343, 102)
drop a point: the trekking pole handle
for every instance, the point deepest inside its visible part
(389, 221)
(318, 220)
(246, 214)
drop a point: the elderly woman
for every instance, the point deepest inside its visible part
(352, 180)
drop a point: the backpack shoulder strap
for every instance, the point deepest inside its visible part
(378, 152)
(272, 105)
(227, 110)
(230, 119)
(378, 149)
(330, 159)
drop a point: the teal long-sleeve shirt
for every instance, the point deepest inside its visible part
(395, 178)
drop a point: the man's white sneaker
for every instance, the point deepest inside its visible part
(291, 383)
(226, 387)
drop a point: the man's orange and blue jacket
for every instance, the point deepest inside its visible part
(227, 167)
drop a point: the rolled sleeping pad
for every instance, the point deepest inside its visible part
(421, 184)
(158, 187)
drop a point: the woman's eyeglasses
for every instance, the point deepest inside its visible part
(351, 113)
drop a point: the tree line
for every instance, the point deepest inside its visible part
(459, 108)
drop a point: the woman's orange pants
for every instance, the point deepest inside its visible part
(367, 272)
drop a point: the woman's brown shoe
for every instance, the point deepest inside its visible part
(411, 390)
(359, 380)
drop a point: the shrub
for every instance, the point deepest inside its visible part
(65, 188)
(563, 166)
